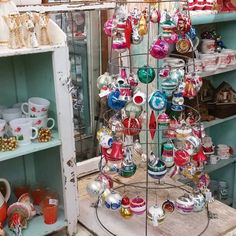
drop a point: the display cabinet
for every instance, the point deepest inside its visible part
(42, 72)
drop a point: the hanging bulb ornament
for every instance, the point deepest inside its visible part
(159, 49)
(155, 15)
(113, 201)
(133, 110)
(125, 210)
(156, 167)
(143, 29)
(138, 205)
(109, 28)
(146, 74)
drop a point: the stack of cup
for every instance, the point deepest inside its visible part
(224, 151)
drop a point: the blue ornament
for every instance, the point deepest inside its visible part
(114, 102)
(192, 33)
(157, 101)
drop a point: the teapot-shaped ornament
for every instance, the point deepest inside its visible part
(3, 201)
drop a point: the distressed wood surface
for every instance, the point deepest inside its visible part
(174, 224)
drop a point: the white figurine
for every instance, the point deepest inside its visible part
(42, 33)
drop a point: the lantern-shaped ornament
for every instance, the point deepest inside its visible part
(110, 28)
(167, 155)
(119, 43)
(163, 119)
(155, 15)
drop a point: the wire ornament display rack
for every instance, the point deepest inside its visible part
(148, 185)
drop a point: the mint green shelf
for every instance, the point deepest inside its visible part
(37, 227)
(208, 124)
(213, 18)
(34, 147)
(220, 164)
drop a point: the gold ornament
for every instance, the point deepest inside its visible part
(142, 26)
(126, 212)
(45, 135)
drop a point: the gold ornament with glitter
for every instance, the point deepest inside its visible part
(8, 144)
(45, 135)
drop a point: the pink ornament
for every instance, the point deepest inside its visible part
(159, 49)
(138, 205)
(173, 38)
(109, 28)
(155, 16)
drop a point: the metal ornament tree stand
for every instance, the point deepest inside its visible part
(173, 131)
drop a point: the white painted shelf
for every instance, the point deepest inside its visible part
(34, 147)
(208, 124)
(6, 52)
(64, 7)
(220, 164)
(219, 71)
(37, 227)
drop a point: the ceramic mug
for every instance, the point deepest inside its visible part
(198, 65)
(43, 122)
(36, 107)
(232, 55)
(22, 128)
(224, 59)
(2, 127)
(11, 114)
(211, 62)
(208, 46)
(214, 159)
(174, 62)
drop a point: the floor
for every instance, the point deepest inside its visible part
(81, 232)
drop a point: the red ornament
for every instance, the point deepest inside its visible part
(200, 156)
(132, 126)
(128, 31)
(152, 125)
(125, 201)
(181, 157)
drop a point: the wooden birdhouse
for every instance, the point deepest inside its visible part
(225, 93)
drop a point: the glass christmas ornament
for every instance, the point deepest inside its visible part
(199, 201)
(136, 38)
(125, 210)
(106, 180)
(133, 110)
(116, 153)
(156, 167)
(114, 102)
(133, 80)
(95, 188)
(168, 206)
(125, 92)
(115, 124)
(155, 15)
(132, 126)
(113, 201)
(183, 45)
(189, 91)
(142, 28)
(102, 132)
(138, 205)
(157, 101)
(152, 124)
(183, 132)
(146, 74)
(139, 98)
(189, 170)
(119, 43)
(104, 80)
(109, 28)
(163, 119)
(184, 204)
(128, 31)
(181, 157)
(167, 155)
(200, 157)
(183, 23)
(156, 215)
(192, 145)
(159, 49)
(106, 141)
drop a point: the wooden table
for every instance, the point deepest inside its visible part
(175, 224)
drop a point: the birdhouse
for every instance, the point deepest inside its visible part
(225, 93)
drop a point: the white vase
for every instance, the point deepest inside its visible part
(6, 7)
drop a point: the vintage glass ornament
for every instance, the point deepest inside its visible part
(190, 90)
(138, 205)
(139, 98)
(116, 153)
(136, 38)
(103, 131)
(133, 110)
(155, 15)
(106, 180)
(183, 45)
(152, 124)
(157, 101)
(184, 204)
(95, 188)
(159, 49)
(200, 157)
(109, 28)
(125, 92)
(146, 74)
(119, 43)
(183, 132)
(113, 201)
(167, 155)
(114, 102)
(192, 145)
(156, 215)
(132, 126)
(104, 80)
(199, 201)
(168, 206)
(203, 180)
(163, 119)
(112, 167)
(133, 80)
(125, 210)
(156, 167)
(183, 22)
(115, 124)
(106, 141)
(142, 29)
(181, 157)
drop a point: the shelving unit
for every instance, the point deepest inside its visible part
(220, 164)
(208, 124)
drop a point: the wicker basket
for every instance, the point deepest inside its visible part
(221, 110)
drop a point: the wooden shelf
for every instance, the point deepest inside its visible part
(208, 124)
(6, 52)
(203, 18)
(219, 71)
(34, 147)
(220, 164)
(37, 227)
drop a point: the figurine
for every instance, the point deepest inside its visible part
(42, 34)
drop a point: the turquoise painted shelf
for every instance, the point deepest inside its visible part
(213, 18)
(208, 124)
(37, 227)
(220, 164)
(34, 147)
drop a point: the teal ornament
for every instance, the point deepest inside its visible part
(156, 168)
(157, 101)
(128, 169)
(133, 110)
(146, 74)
